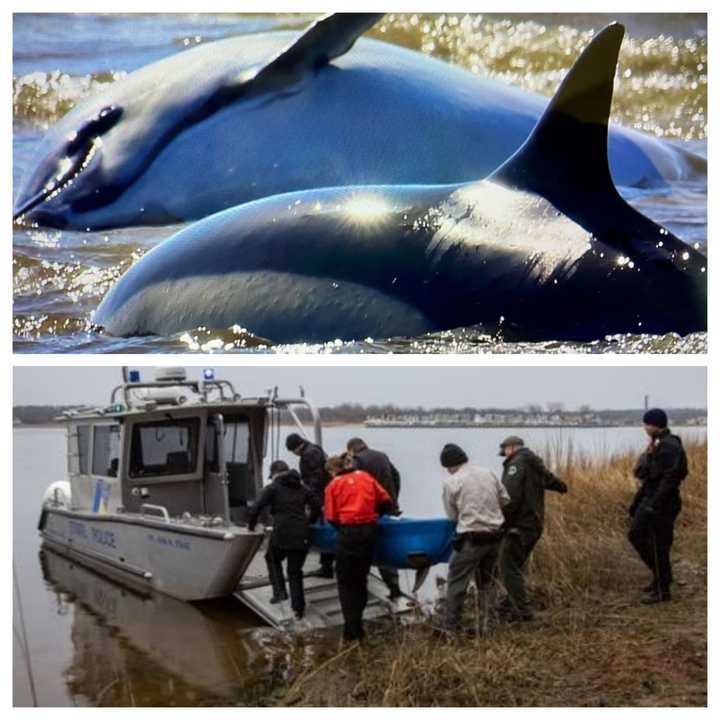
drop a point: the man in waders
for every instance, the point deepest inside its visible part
(315, 476)
(353, 502)
(473, 497)
(378, 464)
(526, 479)
(660, 470)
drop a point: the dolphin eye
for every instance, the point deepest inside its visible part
(93, 128)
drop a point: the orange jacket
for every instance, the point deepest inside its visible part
(354, 498)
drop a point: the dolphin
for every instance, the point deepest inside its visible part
(249, 117)
(544, 247)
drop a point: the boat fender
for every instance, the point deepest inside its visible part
(58, 494)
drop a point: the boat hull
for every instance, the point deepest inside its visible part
(401, 542)
(180, 560)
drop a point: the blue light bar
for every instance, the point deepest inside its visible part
(209, 374)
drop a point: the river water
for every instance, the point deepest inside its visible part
(93, 642)
(61, 276)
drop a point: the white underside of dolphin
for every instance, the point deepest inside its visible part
(378, 113)
(262, 302)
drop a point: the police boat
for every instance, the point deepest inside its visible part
(159, 486)
(159, 482)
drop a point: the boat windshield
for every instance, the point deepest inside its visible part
(165, 447)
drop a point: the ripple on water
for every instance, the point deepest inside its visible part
(48, 333)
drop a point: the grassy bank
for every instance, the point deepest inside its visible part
(593, 643)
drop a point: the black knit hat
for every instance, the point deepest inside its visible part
(656, 417)
(293, 442)
(452, 456)
(277, 467)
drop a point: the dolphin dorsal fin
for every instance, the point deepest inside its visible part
(565, 161)
(326, 39)
(569, 143)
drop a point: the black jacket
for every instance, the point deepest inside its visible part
(312, 469)
(379, 466)
(293, 508)
(526, 479)
(661, 470)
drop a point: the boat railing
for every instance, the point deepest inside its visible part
(288, 404)
(158, 509)
(203, 388)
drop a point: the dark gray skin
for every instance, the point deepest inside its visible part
(545, 248)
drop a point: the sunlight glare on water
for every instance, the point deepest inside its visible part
(664, 88)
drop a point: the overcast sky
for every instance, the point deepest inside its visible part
(599, 387)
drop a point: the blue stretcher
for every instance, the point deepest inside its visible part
(403, 542)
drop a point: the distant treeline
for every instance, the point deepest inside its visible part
(354, 413)
(38, 414)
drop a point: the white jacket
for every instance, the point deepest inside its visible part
(474, 498)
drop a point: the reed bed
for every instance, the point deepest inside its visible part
(593, 643)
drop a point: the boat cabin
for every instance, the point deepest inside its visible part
(175, 447)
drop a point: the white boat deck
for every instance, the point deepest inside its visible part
(321, 598)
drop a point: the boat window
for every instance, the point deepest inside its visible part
(106, 450)
(83, 436)
(237, 440)
(166, 447)
(211, 458)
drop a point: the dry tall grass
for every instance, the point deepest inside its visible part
(593, 643)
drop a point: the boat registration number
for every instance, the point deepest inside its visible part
(106, 538)
(169, 542)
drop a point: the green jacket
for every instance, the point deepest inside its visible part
(526, 479)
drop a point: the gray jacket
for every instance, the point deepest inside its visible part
(474, 498)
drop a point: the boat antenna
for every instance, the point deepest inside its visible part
(125, 374)
(23, 640)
